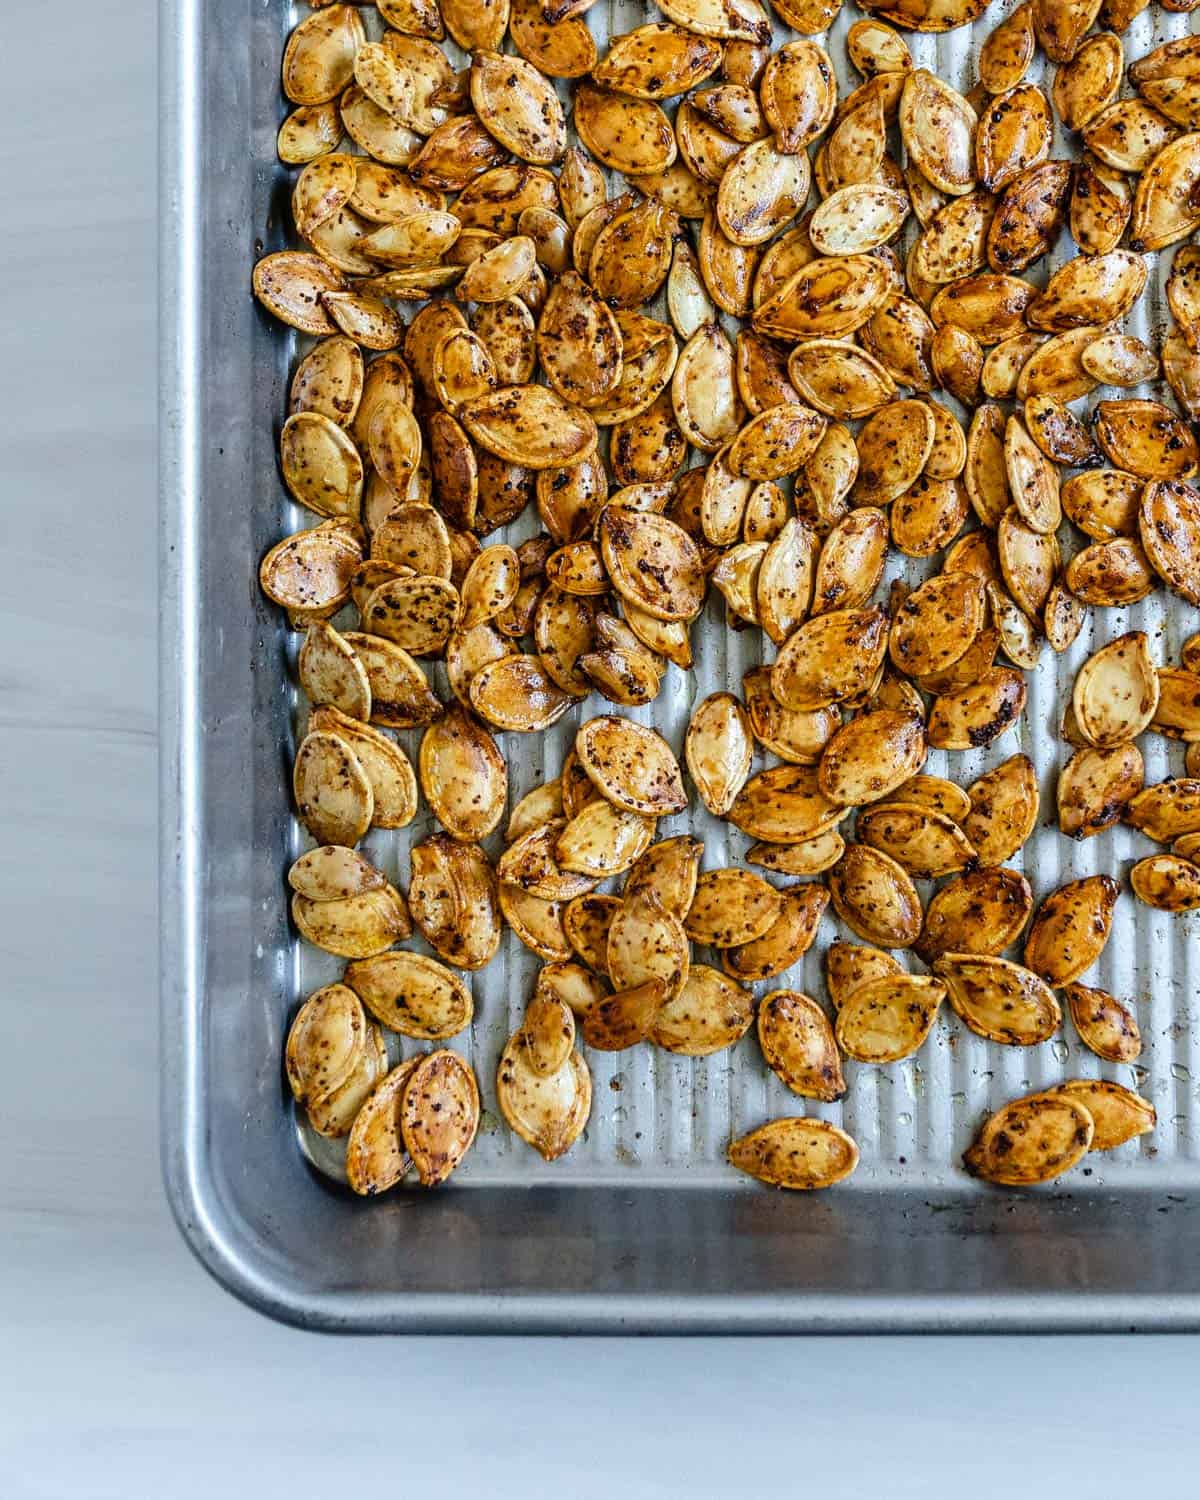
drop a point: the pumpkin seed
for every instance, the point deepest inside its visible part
(1002, 365)
(1032, 479)
(1178, 711)
(977, 714)
(645, 943)
(893, 447)
(1089, 81)
(957, 361)
(799, 94)
(857, 218)
(518, 106)
(353, 926)
(439, 1115)
(376, 1159)
(387, 768)
(718, 750)
(631, 766)
(1092, 289)
(1101, 202)
(926, 842)
(530, 425)
(1110, 573)
(333, 794)
(1063, 617)
(1029, 561)
(937, 126)
(412, 994)
(849, 966)
(318, 61)
(1118, 1113)
(1168, 810)
(329, 381)
(330, 672)
(1116, 691)
(980, 912)
(1070, 928)
(794, 736)
(839, 379)
(453, 899)
(761, 190)
(326, 1043)
(548, 1110)
(888, 1018)
(875, 897)
(652, 563)
(703, 389)
(1013, 134)
(830, 659)
(830, 297)
(1096, 786)
(798, 1045)
(1169, 527)
(785, 941)
(1007, 51)
(1167, 881)
(1059, 433)
(602, 840)
(999, 1000)
(795, 1153)
(292, 285)
(937, 623)
(954, 243)
(731, 907)
(400, 694)
(1004, 810)
(310, 131)
(1105, 1024)
(709, 1014)
(515, 692)
(333, 872)
(783, 805)
(464, 776)
(869, 757)
(1031, 1140)
(1104, 503)
(809, 857)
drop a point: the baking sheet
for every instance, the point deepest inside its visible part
(662, 1119)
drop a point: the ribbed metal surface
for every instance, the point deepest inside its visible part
(657, 1118)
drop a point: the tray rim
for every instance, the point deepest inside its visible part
(231, 1257)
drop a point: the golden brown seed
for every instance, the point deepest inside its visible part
(1070, 928)
(797, 1044)
(1118, 1113)
(999, 1000)
(980, 912)
(889, 1017)
(796, 1153)
(1104, 1023)
(1167, 882)
(1031, 1140)
(875, 897)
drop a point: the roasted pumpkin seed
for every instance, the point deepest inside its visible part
(887, 1018)
(1031, 1140)
(798, 1045)
(796, 1153)
(979, 912)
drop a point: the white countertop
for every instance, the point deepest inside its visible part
(127, 1373)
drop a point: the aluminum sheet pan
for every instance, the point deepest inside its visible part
(234, 971)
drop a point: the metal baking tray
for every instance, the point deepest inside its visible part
(642, 1228)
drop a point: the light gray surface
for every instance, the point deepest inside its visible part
(126, 1372)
